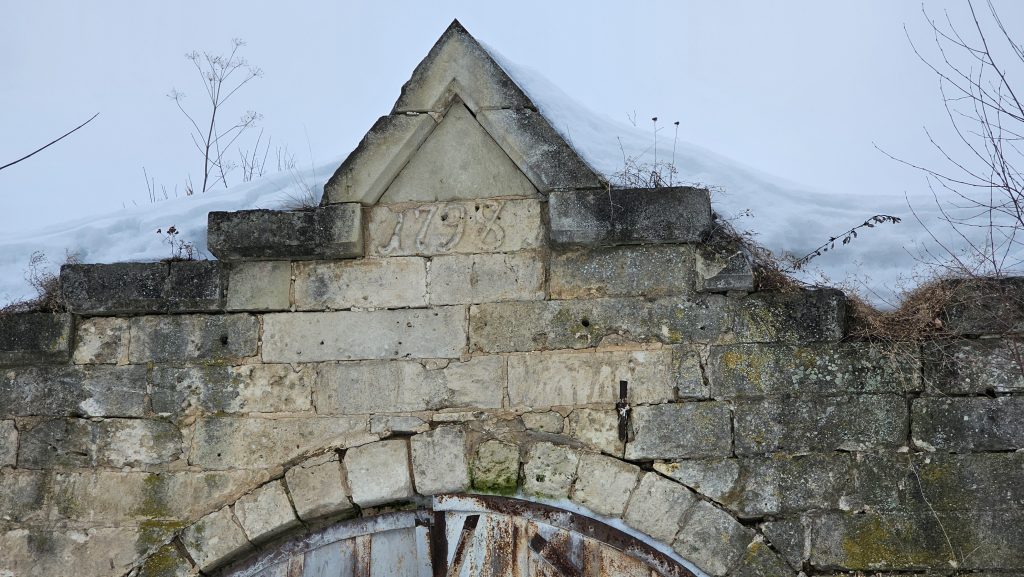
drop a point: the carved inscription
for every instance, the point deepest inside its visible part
(459, 227)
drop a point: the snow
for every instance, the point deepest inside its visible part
(130, 234)
(787, 218)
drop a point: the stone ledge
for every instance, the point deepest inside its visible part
(984, 306)
(27, 338)
(629, 216)
(326, 232)
(136, 287)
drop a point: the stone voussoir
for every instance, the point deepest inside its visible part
(439, 461)
(379, 472)
(326, 232)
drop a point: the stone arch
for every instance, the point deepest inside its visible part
(405, 472)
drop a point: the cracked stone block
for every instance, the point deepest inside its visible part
(215, 539)
(712, 540)
(658, 506)
(265, 512)
(604, 484)
(319, 488)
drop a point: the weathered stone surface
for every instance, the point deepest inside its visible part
(658, 506)
(95, 391)
(319, 488)
(915, 541)
(711, 539)
(538, 150)
(59, 443)
(8, 443)
(107, 497)
(258, 443)
(166, 562)
(439, 461)
(48, 551)
(458, 57)
(680, 431)
(759, 487)
(755, 370)
(789, 538)
(265, 512)
(544, 422)
(458, 160)
(968, 423)
(639, 270)
(379, 473)
(938, 481)
(164, 339)
(259, 286)
(760, 561)
(984, 306)
(578, 378)
(35, 338)
(479, 278)
(158, 287)
(403, 386)
(724, 269)
(101, 340)
(456, 227)
(496, 467)
(629, 216)
(348, 335)
(363, 283)
(850, 423)
(790, 317)
(597, 428)
(604, 484)
(974, 366)
(232, 389)
(549, 470)
(688, 373)
(385, 425)
(326, 232)
(578, 324)
(215, 539)
(22, 495)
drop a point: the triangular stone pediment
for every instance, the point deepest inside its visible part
(458, 160)
(462, 128)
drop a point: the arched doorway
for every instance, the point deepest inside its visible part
(464, 536)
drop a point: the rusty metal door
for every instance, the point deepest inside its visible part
(464, 536)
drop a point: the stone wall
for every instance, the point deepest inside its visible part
(473, 309)
(478, 346)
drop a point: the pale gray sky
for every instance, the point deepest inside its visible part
(798, 89)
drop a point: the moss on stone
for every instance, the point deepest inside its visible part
(166, 562)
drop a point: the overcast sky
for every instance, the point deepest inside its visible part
(799, 89)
